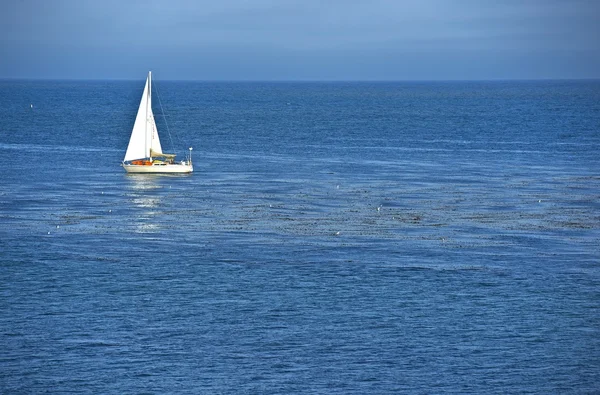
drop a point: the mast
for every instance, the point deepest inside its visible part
(148, 104)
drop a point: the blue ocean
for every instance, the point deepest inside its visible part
(334, 238)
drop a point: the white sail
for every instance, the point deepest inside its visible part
(152, 131)
(155, 140)
(144, 136)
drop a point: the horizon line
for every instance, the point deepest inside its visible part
(302, 80)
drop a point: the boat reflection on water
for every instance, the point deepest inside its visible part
(145, 198)
(152, 198)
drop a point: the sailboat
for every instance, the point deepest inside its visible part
(144, 153)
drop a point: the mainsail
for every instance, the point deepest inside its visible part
(144, 141)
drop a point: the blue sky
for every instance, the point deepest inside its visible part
(300, 39)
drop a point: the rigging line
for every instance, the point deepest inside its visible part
(165, 118)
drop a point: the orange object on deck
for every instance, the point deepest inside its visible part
(140, 162)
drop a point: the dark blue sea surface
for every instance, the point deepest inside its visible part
(335, 238)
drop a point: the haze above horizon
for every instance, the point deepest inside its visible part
(270, 40)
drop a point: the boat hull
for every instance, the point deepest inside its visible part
(165, 168)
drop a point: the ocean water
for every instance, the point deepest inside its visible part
(335, 238)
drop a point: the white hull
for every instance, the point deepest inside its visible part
(165, 168)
